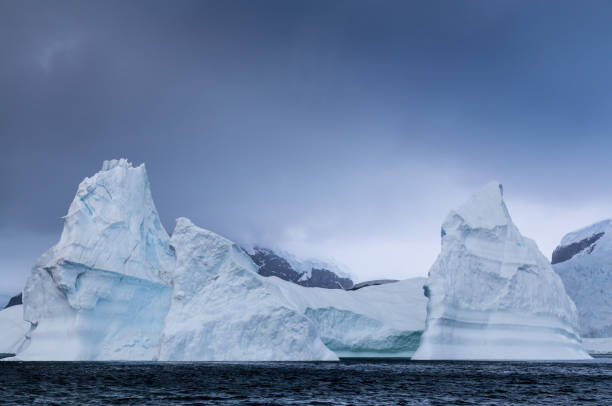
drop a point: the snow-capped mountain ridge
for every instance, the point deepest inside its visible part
(309, 273)
(586, 232)
(581, 241)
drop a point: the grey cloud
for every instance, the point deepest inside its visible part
(322, 126)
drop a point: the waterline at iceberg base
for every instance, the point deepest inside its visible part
(492, 294)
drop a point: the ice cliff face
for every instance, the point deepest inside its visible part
(492, 294)
(584, 262)
(375, 321)
(103, 290)
(116, 287)
(222, 310)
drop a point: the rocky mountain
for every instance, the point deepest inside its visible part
(14, 301)
(304, 273)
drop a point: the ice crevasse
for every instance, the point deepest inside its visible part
(492, 294)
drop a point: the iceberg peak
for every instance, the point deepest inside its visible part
(485, 208)
(113, 163)
(112, 224)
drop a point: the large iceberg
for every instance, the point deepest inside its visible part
(583, 259)
(374, 321)
(116, 287)
(492, 294)
(103, 290)
(223, 310)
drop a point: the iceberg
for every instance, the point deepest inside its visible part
(223, 310)
(492, 294)
(103, 290)
(583, 261)
(117, 287)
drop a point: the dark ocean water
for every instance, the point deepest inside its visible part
(367, 382)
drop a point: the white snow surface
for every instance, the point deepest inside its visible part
(586, 232)
(492, 294)
(588, 279)
(383, 320)
(222, 310)
(13, 328)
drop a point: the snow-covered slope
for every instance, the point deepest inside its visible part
(222, 310)
(103, 290)
(492, 294)
(384, 320)
(13, 329)
(584, 262)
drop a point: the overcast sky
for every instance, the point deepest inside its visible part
(337, 130)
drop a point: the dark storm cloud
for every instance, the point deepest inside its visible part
(333, 128)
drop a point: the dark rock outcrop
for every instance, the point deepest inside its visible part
(373, 283)
(15, 300)
(324, 278)
(272, 264)
(565, 252)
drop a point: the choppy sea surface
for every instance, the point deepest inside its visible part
(349, 382)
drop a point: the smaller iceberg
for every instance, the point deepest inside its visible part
(492, 294)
